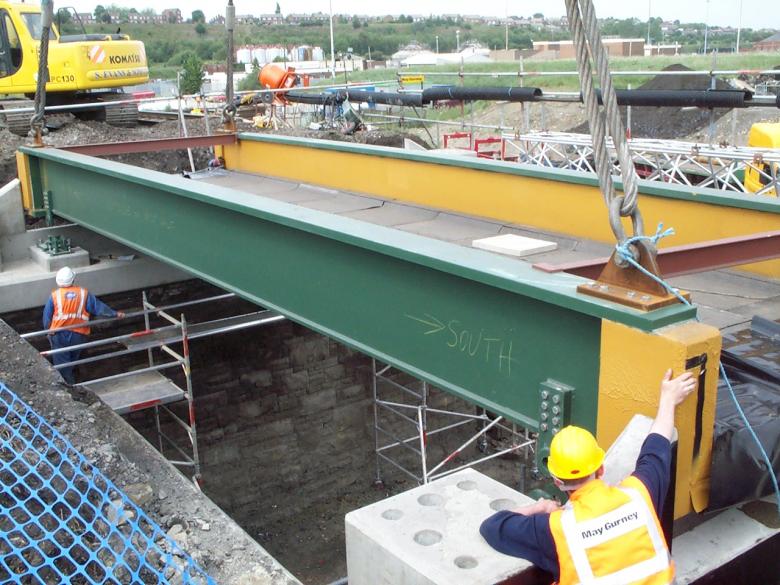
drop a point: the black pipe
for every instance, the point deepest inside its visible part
(705, 98)
(385, 97)
(467, 94)
(319, 99)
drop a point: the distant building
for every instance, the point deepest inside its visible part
(565, 49)
(86, 17)
(219, 19)
(654, 50)
(172, 15)
(270, 19)
(769, 44)
(245, 19)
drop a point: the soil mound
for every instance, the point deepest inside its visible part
(669, 122)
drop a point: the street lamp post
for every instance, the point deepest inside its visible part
(457, 40)
(739, 25)
(332, 50)
(437, 44)
(706, 26)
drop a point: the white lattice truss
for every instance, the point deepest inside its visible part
(667, 161)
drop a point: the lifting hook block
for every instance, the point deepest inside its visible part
(629, 286)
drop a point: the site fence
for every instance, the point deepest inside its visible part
(63, 521)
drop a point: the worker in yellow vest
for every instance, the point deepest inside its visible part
(604, 534)
(66, 316)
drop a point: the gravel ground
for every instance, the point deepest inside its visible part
(225, 551)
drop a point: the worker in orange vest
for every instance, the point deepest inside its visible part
(69, 306)
(604, 534)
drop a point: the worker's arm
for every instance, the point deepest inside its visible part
(524, 536)
(98, 308)
(653, 466)
(48, 311)
(673, 392)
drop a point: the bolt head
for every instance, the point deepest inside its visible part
(630, 294)
(645, 297)
(544, 416)
(556, 399)
(556, 410)
(543, 426)
(545, 394)
(544, 405)
(556, 420)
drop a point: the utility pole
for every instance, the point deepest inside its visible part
(706, 26)
(649, 18)
(457, 40)
(739, 26)
(437, 44)
(332, 50)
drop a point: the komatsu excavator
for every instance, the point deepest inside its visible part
(83, 68)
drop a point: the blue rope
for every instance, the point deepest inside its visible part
(625, 253)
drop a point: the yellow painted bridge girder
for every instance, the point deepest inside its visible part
(548, 199)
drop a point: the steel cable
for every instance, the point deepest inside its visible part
(588, 45)
(38, 118)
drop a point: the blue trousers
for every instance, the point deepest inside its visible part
(66, 339)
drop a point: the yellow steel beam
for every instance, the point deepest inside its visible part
(574, 208)
(632, 365)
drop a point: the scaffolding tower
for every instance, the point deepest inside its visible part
(414, 409)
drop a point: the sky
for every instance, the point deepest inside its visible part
(755, 13)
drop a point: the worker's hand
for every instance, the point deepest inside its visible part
(677, 390)
(541, 506)
(120, 315)
(547, 506)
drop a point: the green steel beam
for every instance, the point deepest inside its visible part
(484, 327)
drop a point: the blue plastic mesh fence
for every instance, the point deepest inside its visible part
(63, 521)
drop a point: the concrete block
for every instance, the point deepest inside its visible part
(430, 535)
(620, 460)
(514, 245)
(11, 211)
(78, 258)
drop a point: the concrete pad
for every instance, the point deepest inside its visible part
(76, 258)
(11, 210)
(620, 460)
(514, 245)
(717, 541)
(451, 228)
(393, 214)
(28, 286)
(250, 183)
(430, 535)
(720, 319)
(341, 203)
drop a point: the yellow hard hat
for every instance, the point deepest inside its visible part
(574, 453)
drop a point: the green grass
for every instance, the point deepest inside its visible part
(570, 82)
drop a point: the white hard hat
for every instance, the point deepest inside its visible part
(65, 276)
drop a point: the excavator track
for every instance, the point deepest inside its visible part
(16, 123)
(123, 115)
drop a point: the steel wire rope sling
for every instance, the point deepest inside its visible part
(587, 43)
(38, 118)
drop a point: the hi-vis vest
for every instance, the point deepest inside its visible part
(611, 536)
(70, 308)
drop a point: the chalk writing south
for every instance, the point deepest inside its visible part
(478, 344)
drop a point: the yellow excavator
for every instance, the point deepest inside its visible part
(83, 68)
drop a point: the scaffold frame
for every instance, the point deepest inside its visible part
(416, 414)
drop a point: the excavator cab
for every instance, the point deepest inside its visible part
(83, 68)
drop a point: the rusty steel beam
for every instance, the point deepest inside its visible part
(156, 145)
(690, 258)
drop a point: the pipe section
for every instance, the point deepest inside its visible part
(467, 94)
(707, 98)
